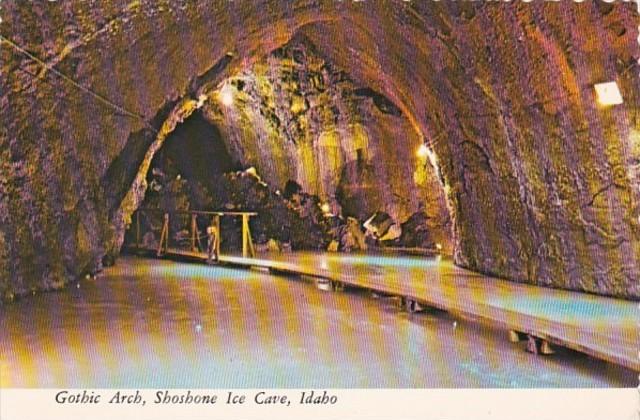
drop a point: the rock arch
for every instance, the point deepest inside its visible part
(542, 183)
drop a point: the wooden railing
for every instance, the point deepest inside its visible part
(195, 237)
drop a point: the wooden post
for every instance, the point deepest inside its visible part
(164, 236)
(216, 222)
(247, 242)
(546, 348)
(194, 230)
(245, 245)
(538, 345)
(251, 247)
(515, 336)
(138, 229)
(198, 239)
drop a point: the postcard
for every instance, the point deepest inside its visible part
(319, 209)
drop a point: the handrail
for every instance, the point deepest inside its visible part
(211, 213)
(248, 248)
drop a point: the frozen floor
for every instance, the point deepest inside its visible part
(153, 324)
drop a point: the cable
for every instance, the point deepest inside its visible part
(97, 96)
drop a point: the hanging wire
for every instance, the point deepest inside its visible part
(97, 96)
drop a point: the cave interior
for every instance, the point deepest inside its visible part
(470, 130)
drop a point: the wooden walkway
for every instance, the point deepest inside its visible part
(601, 327)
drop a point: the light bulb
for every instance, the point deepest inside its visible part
(423, 151)
(226, 95)
(608, 93)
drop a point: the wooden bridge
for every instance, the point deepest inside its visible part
(600, 327)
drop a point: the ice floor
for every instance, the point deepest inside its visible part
(157, 324)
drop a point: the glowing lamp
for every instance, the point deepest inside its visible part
(326, 208)
(425, 153)
(608, 93)
(226, 95)
(422, 152)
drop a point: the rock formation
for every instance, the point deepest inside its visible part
(541, 183)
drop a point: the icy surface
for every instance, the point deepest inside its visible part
(147, 323)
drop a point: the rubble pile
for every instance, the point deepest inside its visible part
(290, 219)
(284, 221)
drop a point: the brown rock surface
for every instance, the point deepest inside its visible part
(294, 116)
(541, 182)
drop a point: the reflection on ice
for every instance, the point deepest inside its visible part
(150, 323)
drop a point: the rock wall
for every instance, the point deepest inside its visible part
(542, 183)
(295, 117)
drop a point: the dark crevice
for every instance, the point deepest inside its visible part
(477, 154)
(122, 172)
(380, 101)
(600, 192)
(196, 149)
(211, 75)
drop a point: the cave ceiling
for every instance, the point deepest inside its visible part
(541, 182)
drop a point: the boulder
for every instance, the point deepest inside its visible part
(351, 236)
(381, 227)
(416, 233)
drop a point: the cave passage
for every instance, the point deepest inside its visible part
(412, 166)
(538, 184)
(326, 162)
(194, 151)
